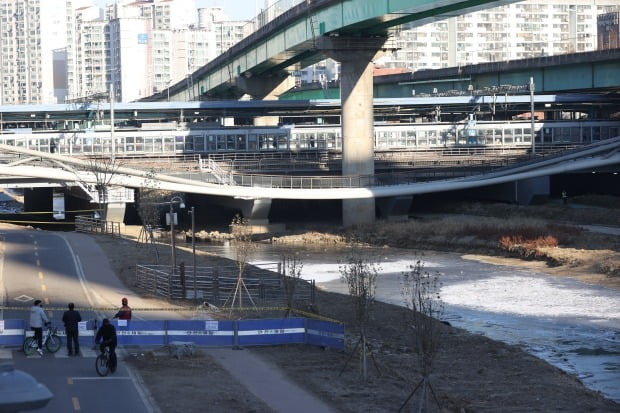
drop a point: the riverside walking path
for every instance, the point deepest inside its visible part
(265, 381)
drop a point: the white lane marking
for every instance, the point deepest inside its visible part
(101, 378)
(81, 276)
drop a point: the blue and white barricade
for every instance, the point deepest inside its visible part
(199, 332)
(274, 331)
(12, 332)
(202, 332)
(140, 333)
(325, 334)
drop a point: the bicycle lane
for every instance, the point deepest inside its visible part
(77, 387)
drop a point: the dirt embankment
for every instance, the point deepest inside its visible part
(471, 373)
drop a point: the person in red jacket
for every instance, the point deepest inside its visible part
(125, 312)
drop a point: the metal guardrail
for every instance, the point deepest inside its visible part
(97, 226)
(217, 284)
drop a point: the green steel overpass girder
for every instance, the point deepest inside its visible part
(290, 41)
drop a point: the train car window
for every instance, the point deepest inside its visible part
(130, 142)
(614, 132)
(331, 140)
(211, 143)
(221, 142)
(44, 144)
(499, 135)
(96, 145)
(230, 142)
(432, 137)
(179, 143)
(508, 135)
(252, 142)
(158, 144)
(148, 144)
(189, 143)
(282, 142)
(199, 143)
(139, 143)
(422, 140)
(241, 145)
(294, 142)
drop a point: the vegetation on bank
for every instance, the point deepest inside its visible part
(552, 233)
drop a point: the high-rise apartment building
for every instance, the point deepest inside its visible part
(515, 31)
(32, 36)
(609, 30)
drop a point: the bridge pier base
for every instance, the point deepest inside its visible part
(256, 212)
(115, 212)
(395, 208)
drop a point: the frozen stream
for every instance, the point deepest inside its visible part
(572, 325)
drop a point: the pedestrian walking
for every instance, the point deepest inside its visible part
(38, 319)
(564, 197)
(71, 318)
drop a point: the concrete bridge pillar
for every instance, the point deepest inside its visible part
(266, 88)
(356, 93)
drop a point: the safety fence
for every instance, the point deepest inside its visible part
(88, 224)
(210, 333)
(217, 285)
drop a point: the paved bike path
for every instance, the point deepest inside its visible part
(264, 380)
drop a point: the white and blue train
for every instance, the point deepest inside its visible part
(170, 141)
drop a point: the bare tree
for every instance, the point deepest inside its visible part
(104, 169)
(420, 290)
(360, 274)
(292, 273)
(244, 246)
(149, 207)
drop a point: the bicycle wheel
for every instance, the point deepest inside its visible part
(53, 343)
(30, 346)
(101, 365)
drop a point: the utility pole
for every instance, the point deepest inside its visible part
(532, 120)
(112, 139)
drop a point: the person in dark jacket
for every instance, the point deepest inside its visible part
(125, 312)
(71, 318)
(106, 336)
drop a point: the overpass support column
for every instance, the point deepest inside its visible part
(265, 88)
(256, 212)
(356, 93)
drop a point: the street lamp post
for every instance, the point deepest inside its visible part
(179, 200)
(192, 211)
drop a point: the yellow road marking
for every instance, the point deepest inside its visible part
(43, 287)
(40, 275)
(69, 380)
(76, 403)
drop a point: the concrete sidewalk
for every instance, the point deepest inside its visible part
(264, 380)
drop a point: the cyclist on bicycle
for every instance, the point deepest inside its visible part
(38, 319)
(107, 336)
